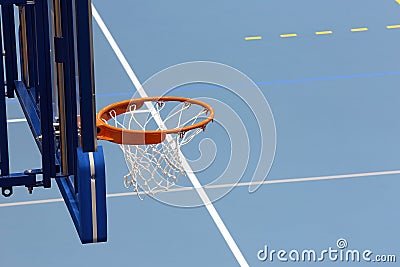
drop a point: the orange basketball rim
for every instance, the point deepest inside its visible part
(118, 135)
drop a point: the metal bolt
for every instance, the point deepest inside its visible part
(7, 192)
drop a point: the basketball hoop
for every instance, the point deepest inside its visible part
(151, 134)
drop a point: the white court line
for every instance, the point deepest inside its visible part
(275, 181)
(141, 111)
(24, 120)
(208, 204)
(31, 202)
(310, 179)
(16, 120)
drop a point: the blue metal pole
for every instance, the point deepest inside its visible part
(10, 48)
(89, 210)
(4, 160)
(31, 40)
(45, 92)
(86, 75)
(68, 37)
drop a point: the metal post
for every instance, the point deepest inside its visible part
(10, 48)
(4, 160)
(68, 34)
(24, 45)
(86, 75)
(61, 90)
(32, 54)
(45, 92)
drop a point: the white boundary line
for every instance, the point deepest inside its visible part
(16, 120)
(310, 179)
(31, 202)
(276, 181)
(208, 204)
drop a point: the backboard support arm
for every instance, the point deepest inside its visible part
(48, 97)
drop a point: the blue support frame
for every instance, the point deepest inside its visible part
(70, 84)
(82, 184)
(4, 161)
(32, 47)
(86, 74)
(4, 164)
(90, 208)
(31, 112)
(45, 92)
(9, 47)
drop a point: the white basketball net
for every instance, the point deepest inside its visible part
(156, 167)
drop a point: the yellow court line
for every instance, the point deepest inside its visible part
(360, 29)
(288, 35)
(393, 26)
(251, 38)
(325, 32)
